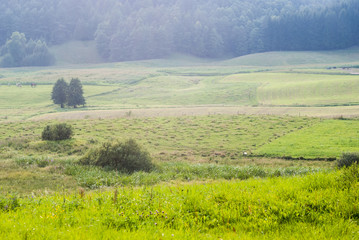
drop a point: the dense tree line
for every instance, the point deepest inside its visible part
(140, 29)
(319, 28)
(18, 51)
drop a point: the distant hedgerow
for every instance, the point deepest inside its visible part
(348, 159)
(57, 132)
(125, 156)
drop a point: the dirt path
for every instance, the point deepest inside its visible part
(325, 112)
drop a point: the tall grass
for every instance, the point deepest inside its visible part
(316, 206)
(95, 177)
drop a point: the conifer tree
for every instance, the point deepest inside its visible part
(75, 93)
(59, 92)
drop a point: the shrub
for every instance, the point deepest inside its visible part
(348, 159)
(57, 132)
(349, 177)
(127, 156)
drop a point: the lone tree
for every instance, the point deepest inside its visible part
(59, 92)
(75, 94)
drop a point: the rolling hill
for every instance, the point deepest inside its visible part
(254, 83)
(84, 52)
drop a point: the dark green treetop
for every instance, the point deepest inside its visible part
(75, 93)
(59, 92)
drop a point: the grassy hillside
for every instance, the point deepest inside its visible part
(295, 88)
(79, 52)
(182, 81)
(328, 139)
(270, 59)
(218, 173)
(76, 52)
(215, 140)
(193, 137)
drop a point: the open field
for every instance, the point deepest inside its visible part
(327, 139)
(183, 82)
(241, 148)
(322, 112)
(302, 89)
(214, 139)
(197, 135)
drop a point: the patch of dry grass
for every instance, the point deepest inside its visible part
(323, 112)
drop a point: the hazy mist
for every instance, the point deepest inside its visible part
(145, 29)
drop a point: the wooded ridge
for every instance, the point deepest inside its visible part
(144, 29)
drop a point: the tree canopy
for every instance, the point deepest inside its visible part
(19, 52)
(70, 94)
(60, 92)
(75, 93)
(141, 29)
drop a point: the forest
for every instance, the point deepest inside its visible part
(146, 29)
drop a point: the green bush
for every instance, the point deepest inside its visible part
(349, 177)
(57, 132)
(127, 156)
(348, 159)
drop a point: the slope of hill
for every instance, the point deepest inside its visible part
(274, 79)
(76, 52)
(85, 52)
(289, 58)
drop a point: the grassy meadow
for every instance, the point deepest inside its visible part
(311, 207)
(242, 148)
(302, 89)
(189, 82)
(327, 139)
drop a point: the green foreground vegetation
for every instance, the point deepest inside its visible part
(204, 184)
(317, 206)
(214, 175)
